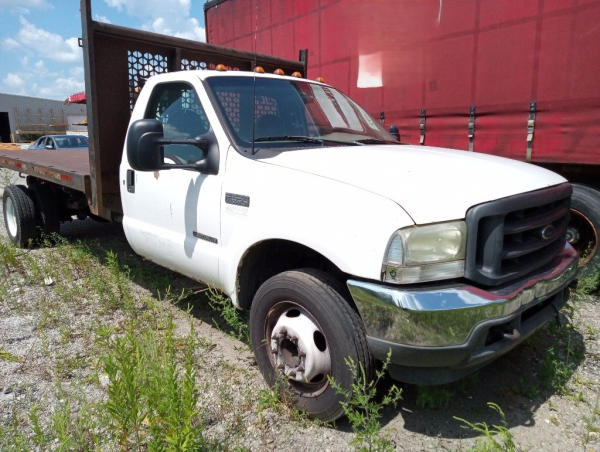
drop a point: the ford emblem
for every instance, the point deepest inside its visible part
(547, 232)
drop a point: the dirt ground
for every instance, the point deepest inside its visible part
(548, 388)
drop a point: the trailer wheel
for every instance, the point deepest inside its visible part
(302, 331)
(584, 227)
(46, 205)
(19, 215)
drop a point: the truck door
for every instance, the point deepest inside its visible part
(172, 216)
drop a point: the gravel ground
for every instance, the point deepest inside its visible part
(548, 387)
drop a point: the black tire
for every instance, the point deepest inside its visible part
(46, 205)
(19, 215)
(584, 226)
(314, 293)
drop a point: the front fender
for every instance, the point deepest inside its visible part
(348, 225)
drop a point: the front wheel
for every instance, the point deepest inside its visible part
(302, 330)
(584, 227)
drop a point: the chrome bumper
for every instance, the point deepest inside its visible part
(444, 316)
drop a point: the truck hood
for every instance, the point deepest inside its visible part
(430, 184)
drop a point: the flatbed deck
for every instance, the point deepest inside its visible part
(70, 168)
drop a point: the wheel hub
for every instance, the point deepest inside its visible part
(299, 348)
(572, 235)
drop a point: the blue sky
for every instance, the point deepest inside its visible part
(39, 55)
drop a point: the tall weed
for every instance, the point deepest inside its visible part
(496, 437)
(152, 400)
(362, 408)
(236, 325)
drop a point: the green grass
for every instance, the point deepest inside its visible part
(152, 399)
(152, 395)
(6, 356)
(589, 283)
(526, 388)
(232, 320)
(592, 423)
(554, 371)
(362, 408)
(435, 397)
(495, 437)
(560, 349)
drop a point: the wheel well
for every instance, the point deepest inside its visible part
(270, 257)
(576, 173)
(68, 201)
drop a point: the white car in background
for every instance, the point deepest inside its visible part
(51, 142)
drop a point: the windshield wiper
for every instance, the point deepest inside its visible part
(301, 138)
(373, 141)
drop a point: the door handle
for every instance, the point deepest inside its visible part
(130, 181)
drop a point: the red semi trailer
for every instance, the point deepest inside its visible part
(516, 79)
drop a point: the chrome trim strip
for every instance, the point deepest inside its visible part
(446, 315)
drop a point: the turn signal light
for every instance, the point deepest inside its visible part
(221, 67)
(279, 71)
(297, 74)
(259, 69)
(320, 79)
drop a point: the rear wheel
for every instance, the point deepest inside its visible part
(302, 330)
(584, 227)
(19, 215)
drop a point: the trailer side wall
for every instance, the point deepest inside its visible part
(446, 65)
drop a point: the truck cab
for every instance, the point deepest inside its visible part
(286, 195)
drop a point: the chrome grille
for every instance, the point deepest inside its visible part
(512, 237)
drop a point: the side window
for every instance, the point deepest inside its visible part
(177, 106)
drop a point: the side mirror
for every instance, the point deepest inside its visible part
(145, 141)
(144, 151)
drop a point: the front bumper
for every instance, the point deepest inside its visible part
(439, 333)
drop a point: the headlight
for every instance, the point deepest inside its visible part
(426, 253)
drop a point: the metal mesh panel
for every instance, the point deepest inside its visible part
(231, 104)
(264, 105)
(192, 65)
(189, 64)
(141, 66)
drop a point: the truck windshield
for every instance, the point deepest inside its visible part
(288, 114)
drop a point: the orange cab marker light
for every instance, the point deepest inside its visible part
(221, 67)
(320, 79)
(297, 74)
(259, 69)
(279, 71)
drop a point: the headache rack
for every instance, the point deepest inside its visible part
(117, 63)
(512, 237)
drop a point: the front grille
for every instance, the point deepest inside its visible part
(514, 236)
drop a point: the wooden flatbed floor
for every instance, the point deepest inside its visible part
(70, 168)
